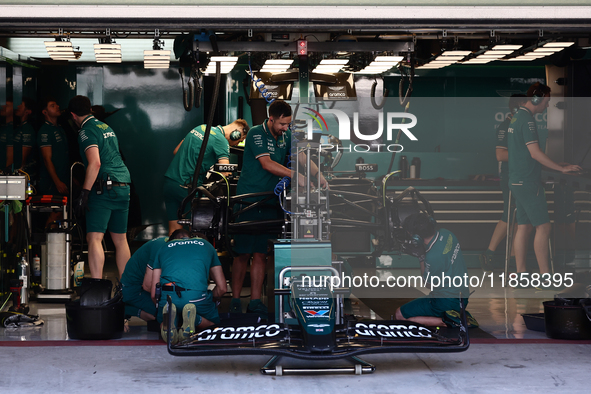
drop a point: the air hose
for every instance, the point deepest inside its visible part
(214, 101)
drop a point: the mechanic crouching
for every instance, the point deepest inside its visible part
(181, 270)
(442, 257)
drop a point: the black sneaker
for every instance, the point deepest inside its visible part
(257, 306)
(486, 262)
(452, 319)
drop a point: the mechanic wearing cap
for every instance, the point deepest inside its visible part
(24, 137)
(53, 144)
(105, 191)
(263, 166)
(502, 153)
(182, 267)
(440, 256)
(6, 132)
(525, 178)
(179, 175)
(136, 281)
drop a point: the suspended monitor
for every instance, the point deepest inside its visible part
(337, 86)
(270, 86)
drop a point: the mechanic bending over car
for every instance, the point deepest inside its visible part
(136, 281)
(439, 254)
(181, 270)
(266, 153)
(180, 172)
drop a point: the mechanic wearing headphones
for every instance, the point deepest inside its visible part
(182, 268)
(263, 166)
(108, 178)
(136, 281)
(502, 153)
(182, 168)
(525, 173)
(440, 255)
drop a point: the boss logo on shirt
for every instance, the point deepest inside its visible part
(108, 134)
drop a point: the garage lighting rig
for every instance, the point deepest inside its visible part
(61, 49)
(227, 64)
(157, 57)
(107, 51)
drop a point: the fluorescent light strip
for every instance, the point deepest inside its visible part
(334, 61)
(558, 44)
(506, 46)
(396, 59)
(287, 62)
(224, 59)
(456, 53)
(495, 52)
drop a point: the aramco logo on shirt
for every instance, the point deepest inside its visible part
(393, 124)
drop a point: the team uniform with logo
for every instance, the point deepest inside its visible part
(182, 168)
(24, 137)
(254, 179)
(525, 173)
(186, 264)
(504, 166)
(109, 209)
(443, 258)
(54, 137)
(136, 299)
(6, 132)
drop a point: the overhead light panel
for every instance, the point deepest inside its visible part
(61, 50)
(558, 44)
(157, 57)
(107, 53)
(502, 47)
(227, 64)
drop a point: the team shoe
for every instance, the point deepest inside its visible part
(257, 306)
(486, 262)
(235, 306)
(164, 326)
(189, 318)
(452, 319)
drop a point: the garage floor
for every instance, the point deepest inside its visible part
(515, 360)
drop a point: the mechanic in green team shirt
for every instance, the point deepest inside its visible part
(53, 144)
(183, 267)
(179, 175)
(502, 154)
(441, 258)
(105, 191)
(6, 133)
(266, 150)
(136, 280)
(24, 137)
(525, 178)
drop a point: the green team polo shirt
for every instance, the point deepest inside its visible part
(502, 144)
(135, 269)
(6, 132)
(54, 137)
(186, 262)
(522, 132)
(96, 133)
(260, 142)
(182, 167)
(444, 257)
(24, 137)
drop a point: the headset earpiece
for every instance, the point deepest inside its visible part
(537, 97)
(235, 135)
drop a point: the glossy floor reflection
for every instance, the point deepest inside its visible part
(498, 310)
